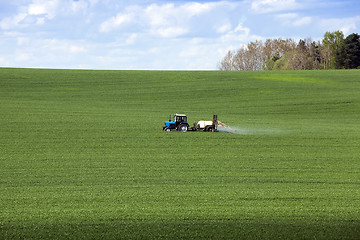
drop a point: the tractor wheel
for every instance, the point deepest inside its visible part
(210, 129)
(167, 129)
(182, 128)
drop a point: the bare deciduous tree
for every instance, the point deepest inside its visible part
(226, 64)
(284, 54)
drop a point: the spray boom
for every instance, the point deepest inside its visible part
(225, 126)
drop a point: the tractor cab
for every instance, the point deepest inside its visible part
(180, 118)
(180, 123)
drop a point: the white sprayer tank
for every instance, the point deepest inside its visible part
(203, 124)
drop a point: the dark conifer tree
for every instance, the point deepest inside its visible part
(348, 56)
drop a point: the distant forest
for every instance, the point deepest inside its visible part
(334, 51)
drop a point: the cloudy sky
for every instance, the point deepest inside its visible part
(160, 34)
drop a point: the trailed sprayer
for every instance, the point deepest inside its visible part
(180, 123)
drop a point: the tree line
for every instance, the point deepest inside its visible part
(334, 51)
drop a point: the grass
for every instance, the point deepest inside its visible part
(83, 155)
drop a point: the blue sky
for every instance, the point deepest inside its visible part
(144, 34)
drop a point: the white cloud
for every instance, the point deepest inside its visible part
(131, 39)
(40, 21)
(346, 25)
(168, 32)
(36, 9)
(93, 2)
(116, 22)
(168, 20)
(165, 20)
(80, 5)
(194, 8)
(264, 6)
(170, 14)
(287, 16)
(65, 46)
(303, 21)
(44, 7)
(32, 52)
(34, 13)
(22, 57)
(37, 12)
(76, 49)
(159, 15)
(12, 34)
(22, 40)
(239, 34)
(3, 62)
(12, 22)
(294, 19)
(223, 28)
(347, 29)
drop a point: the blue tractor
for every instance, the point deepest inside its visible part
(180, 123)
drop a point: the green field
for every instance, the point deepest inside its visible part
(83, 155)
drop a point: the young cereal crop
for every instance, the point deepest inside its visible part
(83, 155)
